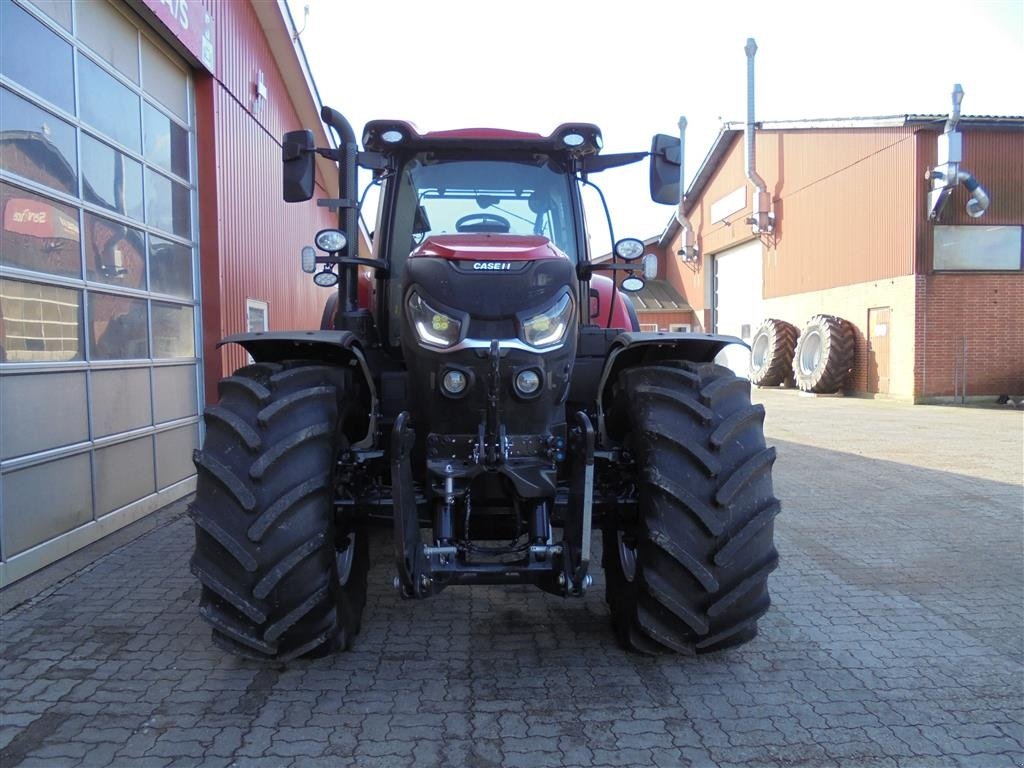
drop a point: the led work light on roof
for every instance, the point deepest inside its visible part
(573, 139)
(392, 136)
(330, 240)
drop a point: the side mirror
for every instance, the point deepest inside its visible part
(299, 169)
(665, 169)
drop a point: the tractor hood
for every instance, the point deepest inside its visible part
(489, 276)
(490, 249)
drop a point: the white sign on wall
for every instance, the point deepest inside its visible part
(731, 203)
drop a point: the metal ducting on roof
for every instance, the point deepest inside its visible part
(947, 173)
(688, 239)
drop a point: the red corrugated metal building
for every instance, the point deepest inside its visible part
(140, 180)
(937, 306)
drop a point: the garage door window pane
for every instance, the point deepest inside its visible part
(111, 179)
(167, 204)
(163, 80)
(173, 330)
(58, 10)
(117, 327)
(170, 268)
(32, 55)
(41, 323)
(108, 105)
(111, 36)
(114, 253)
(37, 144)
(166, 142)
(39, 234)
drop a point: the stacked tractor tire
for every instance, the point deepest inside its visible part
(817, 359)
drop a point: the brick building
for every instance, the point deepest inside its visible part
(938, 306)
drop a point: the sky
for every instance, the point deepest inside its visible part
(633, 68)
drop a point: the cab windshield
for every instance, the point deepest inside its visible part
(450, 196)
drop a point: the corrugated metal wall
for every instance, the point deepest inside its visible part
(852, 193)
(257, 235)
(996, 158)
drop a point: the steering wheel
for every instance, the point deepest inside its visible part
(483, 222)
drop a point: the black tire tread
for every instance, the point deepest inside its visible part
(838, 352)
(781, 338)
(704, 540)
(264, 514)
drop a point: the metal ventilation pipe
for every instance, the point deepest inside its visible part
(947, 172)
(687, 239)
(979, 201)
(762, 218)
(954, 114)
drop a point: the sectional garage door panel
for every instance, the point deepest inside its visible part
(44, 501)
(26, 401)
(738, 299)
(98, 259)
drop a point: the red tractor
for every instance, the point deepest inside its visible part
(493, 398)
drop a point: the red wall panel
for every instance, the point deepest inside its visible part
(249, 238)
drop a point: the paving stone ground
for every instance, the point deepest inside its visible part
(896, 639)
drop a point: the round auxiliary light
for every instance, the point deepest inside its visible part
(632, 284)
(527, 382)
(330, 240)
(391, 137)
(308, 259)
(454, 382)
(629, 248)
(572, 139)
(325, 279)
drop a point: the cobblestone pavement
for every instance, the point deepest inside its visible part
(895, 640)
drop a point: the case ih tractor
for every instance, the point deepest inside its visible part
(478, 383)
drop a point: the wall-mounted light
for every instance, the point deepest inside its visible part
(259, 97)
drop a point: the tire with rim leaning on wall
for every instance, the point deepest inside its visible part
(823, 360)
(771, 353)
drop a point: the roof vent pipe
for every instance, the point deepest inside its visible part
(763, 218)
(947, 172)
(687, 239)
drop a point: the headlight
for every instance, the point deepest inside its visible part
(433, 327)
(548, 327)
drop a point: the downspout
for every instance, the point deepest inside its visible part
(763, 218)
(687, 238)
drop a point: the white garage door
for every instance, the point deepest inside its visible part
(737, 300)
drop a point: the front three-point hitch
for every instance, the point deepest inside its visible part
(533, 558)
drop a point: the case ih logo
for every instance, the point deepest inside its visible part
(492, 266)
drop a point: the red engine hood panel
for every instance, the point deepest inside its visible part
(484, 247)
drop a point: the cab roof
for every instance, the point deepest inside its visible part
(576, 139)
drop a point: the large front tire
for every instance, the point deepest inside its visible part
(279, 580)
(690, 574)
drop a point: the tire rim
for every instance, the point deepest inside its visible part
(759, 354)
(627, 558)
(344, 560)
(810, 352)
